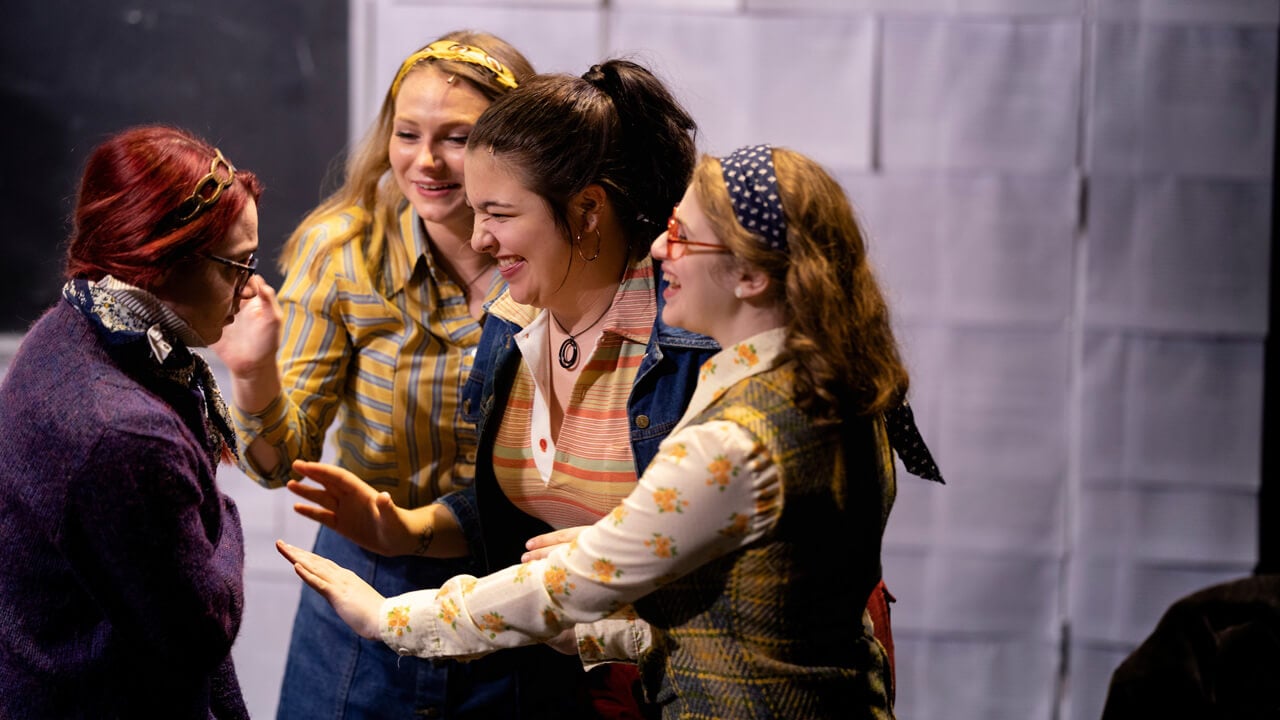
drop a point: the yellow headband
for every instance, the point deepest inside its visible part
(450, 50)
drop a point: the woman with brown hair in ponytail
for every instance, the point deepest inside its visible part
(576, 379)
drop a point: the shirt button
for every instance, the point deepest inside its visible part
(542, 444)
(471, 456)
(642, 421)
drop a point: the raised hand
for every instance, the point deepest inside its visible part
(248, 348)
(252, 340)
(369, 518)
(355, 601)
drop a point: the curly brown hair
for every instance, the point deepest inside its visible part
(837, 328)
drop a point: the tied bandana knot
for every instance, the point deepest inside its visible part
(752, 182)
(904, 437)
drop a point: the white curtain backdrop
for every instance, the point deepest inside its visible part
(1069, 203)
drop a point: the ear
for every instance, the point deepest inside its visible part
(588, 204)
(751, 283)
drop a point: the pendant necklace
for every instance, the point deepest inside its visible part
(569, 350)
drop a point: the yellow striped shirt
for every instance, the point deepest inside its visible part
(591, 465)
(387, 360)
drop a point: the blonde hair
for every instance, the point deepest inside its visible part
(369, 184)
(837, 329)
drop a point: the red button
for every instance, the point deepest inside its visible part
(542, 444)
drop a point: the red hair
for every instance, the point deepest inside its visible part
(126, 218)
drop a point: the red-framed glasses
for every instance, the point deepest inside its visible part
(678, 245)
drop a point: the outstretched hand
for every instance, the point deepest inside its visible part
(355, 601)
(351, 507)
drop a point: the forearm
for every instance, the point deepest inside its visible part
(435, 532)
(285, 400)
(254, 389)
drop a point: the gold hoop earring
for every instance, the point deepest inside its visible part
(599, 244)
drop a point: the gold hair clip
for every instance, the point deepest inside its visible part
(208, 189)
(450, 50)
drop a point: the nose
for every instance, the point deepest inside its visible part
(426, 157)
(481, 240)
(658, 248)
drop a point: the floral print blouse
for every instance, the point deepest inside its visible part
(713, 488)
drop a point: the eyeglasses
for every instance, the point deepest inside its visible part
(208, 189)
(245, 269)
(678, 246)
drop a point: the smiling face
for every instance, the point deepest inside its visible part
(515, 226)
(433, 118)
(699, 296)
(203, 291)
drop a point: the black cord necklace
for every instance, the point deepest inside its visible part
(569, 351)
(467, 287)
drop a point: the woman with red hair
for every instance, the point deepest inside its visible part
(121, 584)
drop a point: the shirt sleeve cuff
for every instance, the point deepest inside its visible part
(621, 637)
(264, 426)
(251, 425)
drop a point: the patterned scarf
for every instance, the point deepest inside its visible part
(139, 329)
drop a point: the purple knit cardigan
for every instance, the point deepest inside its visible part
(121, 564)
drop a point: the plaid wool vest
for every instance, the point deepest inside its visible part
(777, 629)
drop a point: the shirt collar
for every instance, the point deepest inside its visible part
(150, 310)
(414, 250)
(752, 356)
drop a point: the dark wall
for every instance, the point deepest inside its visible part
(264, 80)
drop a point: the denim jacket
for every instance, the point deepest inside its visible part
(663, 386)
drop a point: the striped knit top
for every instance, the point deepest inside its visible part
(580, 476)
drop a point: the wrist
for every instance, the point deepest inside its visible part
(255, 389)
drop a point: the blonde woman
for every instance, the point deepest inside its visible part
(381, 309)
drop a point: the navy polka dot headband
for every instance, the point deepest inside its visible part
(752, 182)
